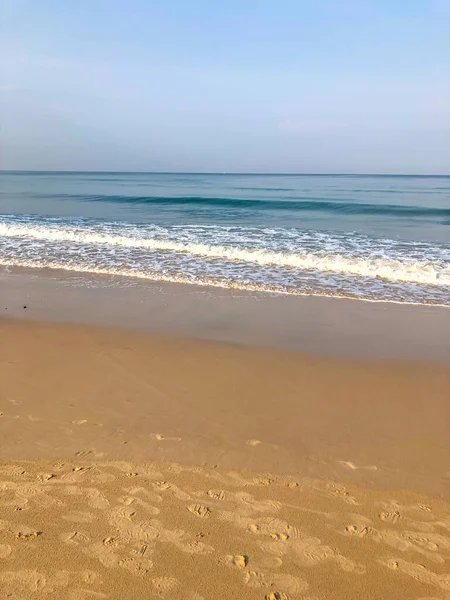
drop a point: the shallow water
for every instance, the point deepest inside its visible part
(379, 238)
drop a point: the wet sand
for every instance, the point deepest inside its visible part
(312, 325)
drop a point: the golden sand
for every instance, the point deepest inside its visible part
(123, 530)
(136, 466)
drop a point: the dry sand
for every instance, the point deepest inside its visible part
(136, 466)
(116, 530)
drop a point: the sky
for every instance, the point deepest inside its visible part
(289, 86)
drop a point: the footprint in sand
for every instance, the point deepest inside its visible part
(130, 530)
(281, 537)
(259, 505)
(264, 481)
(165, 585)
(34, 581)
(91, 577)
(83, 453)
(428, 545)
(359, 530)
(108, 558)
(162, 485)
(431, 541)
(96, 499)
(293, 484)
(141, 551)
(311, 551)
(81, 470)
(239, 560)
(104, 554)
(216, 494)
(339, 491)
(276, 528)
(285, 585)
(111, 541)
(390, 517)
(74, 537)
(199, 510)
(46, 477)
(127, 500)
(255, 579)
(133, 498)
(420, 573)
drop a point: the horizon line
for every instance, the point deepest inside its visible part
(250, 173)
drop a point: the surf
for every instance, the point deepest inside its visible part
(393, 270)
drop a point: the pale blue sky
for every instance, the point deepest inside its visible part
(247, 86)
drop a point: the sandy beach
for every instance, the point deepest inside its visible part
(79, 529)
(147, 465)
(225, 301)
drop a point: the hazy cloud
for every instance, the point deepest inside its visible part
(8, 87)
(305, 126)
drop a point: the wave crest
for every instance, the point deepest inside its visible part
(284, 204)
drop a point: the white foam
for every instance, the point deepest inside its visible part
(406, 270)
(204, 281)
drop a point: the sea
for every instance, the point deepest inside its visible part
(373, 238)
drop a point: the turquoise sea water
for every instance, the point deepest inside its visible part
(379, 238)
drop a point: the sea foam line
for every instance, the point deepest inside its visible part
(376, 268)
(206, 281)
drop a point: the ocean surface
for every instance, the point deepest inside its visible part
(376, 238)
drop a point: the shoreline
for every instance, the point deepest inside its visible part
(313, 325)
